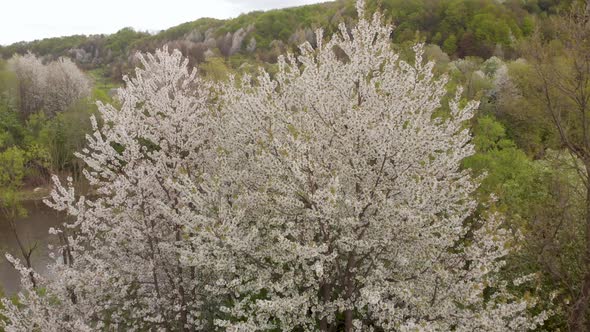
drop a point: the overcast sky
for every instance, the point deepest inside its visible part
(37, 19)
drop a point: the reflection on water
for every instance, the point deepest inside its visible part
(32, 228)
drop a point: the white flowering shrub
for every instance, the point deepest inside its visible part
(66, 84)
(32, 82)
(51, 87)
(328, 197)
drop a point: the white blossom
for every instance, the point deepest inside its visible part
(328, 196)
(344, 161)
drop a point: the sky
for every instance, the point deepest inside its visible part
(27, 20)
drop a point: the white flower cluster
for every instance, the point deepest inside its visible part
(329, 196)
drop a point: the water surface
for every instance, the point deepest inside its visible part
(31, 229)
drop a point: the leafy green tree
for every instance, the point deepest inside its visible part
(54, 142)
(523, 115)
(11, 131)
(511, 175)
(450, 44)
(536, 197)
(562, 84)
(215, 69)
(119, 42)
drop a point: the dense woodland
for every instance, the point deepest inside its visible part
(526, 63)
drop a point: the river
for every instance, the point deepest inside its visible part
(31, 229)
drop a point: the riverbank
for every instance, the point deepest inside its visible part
(34, 193)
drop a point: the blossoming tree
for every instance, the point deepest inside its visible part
(50, 88)
(328, 197)
(353, 203)
(120, 267)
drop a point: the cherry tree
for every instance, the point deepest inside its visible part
(354, 212)
(328, 197)
(120, 265)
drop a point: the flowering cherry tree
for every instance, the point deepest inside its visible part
(353, 203)
(120, 266)
(328, 197)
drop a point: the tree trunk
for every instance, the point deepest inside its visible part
(183, 303)
(325, 297)
(348, 320)
(349, 286)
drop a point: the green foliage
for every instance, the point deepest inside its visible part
(215, 69)
(512, 177)
(525, 118)
(119, 42)
(179, 31)
(12, 171)
(8, 82)
(274, 24)
(47, 46)
(460, 27)
(12, 167)
(63, 135)
(489, 135)
(450, 44)
(540, 201)
(528, 25)
(11, 130)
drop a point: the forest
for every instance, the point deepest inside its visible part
(392, 165)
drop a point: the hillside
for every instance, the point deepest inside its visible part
(460, 28)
